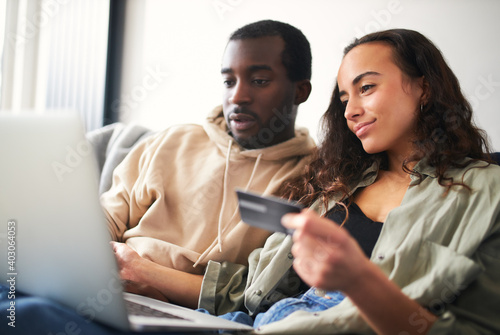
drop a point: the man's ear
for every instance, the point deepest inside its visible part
(302, 90)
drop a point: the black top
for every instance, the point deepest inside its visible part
(364, 230)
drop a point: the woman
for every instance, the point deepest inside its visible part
(419, 251)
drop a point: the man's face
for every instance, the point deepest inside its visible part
(258, 97)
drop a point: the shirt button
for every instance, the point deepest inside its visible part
(258, 292)
(319, 292)
(290, 256)
(380, 257)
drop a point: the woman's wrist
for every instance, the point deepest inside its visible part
(366, 276)
(384, 306)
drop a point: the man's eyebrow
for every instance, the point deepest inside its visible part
(251, 68)
(359, 77)
(254, 68)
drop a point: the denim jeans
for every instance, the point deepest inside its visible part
(35, 315)
(313, 300)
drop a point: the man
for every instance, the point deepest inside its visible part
(173, 204)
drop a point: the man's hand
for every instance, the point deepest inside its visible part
(129, 263)
(147, 278)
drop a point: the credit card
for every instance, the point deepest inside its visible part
(265, 212)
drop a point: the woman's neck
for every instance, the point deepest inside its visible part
(395, 165)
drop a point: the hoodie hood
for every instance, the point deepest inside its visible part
(216, 128)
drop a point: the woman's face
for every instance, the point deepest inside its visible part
(381, 103)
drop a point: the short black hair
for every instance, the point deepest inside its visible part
(296, 56)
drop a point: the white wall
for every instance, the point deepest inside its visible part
(175, 47)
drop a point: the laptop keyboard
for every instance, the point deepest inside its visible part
(134, 308)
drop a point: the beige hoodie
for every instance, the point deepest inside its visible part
(173, 197)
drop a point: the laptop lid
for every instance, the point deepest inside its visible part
(51, 215)
(53, 231)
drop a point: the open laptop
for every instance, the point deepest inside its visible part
(53, 232)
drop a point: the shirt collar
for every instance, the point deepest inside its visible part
(370, 175)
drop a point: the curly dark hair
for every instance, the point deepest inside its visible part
(296, 56)
(445, 133)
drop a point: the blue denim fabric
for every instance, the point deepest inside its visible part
(35, 315)
(310, 301)
(239, 317)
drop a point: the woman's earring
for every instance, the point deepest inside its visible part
(421, 108)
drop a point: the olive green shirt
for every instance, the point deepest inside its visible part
(442, 250)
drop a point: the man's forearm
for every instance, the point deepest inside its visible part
(179, 287)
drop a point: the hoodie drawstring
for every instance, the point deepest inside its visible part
(218, 241)
(224, 193)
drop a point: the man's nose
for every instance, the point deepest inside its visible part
(241, 94)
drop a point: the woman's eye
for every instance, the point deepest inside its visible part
(365, 88)
(344, 103)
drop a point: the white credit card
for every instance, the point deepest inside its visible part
(265, 211)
